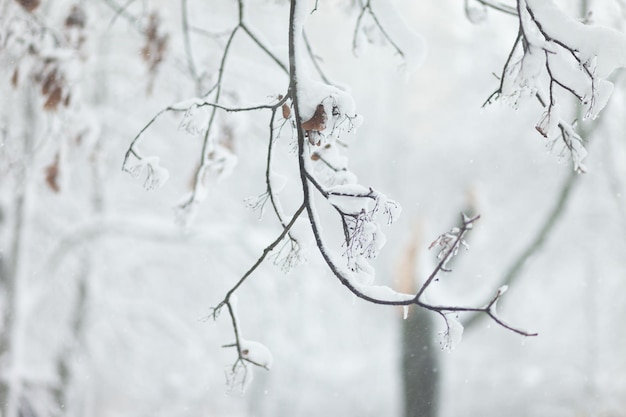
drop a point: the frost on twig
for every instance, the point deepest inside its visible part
(289, 255)
(475, 11)
(378, 22)
(195, 120)
(572, 145)
(450, 242)
(554, 56)
(155, 174)
(451, 336)
(360, 210)
(239, 375)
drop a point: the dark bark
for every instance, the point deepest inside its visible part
(420, 373)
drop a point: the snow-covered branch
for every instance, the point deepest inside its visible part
(554, 55)
(356, 205)
(553, 59)
(215, 156)
(367, 10)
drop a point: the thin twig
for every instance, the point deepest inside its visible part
(367, 7)
(510, 10)
(551, 220)
(314, 59)
(227, 298)
(191, 66)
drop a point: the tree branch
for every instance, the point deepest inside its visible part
(305, 178)
(367, 8)
(227, 298)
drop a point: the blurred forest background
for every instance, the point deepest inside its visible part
(105, 296)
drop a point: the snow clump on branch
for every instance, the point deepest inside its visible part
(156, 175)
(327, 112)
(555, 55)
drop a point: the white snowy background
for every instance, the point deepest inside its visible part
(146, 346)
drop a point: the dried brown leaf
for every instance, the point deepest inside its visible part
(55, 97)
(286, 111)
(52, 175)
(49, 82)
(29, 5)
(15, 77)
(542, 131)
(76, 18)
(318, 121)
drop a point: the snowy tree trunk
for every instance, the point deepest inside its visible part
(75, 347)
(76, 343)
(14, 269)
(419, 365)
(418, 352)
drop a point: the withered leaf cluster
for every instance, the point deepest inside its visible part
(153, 51)
(48, 73)
(53, 86)
(76, 19)
(29, 5)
